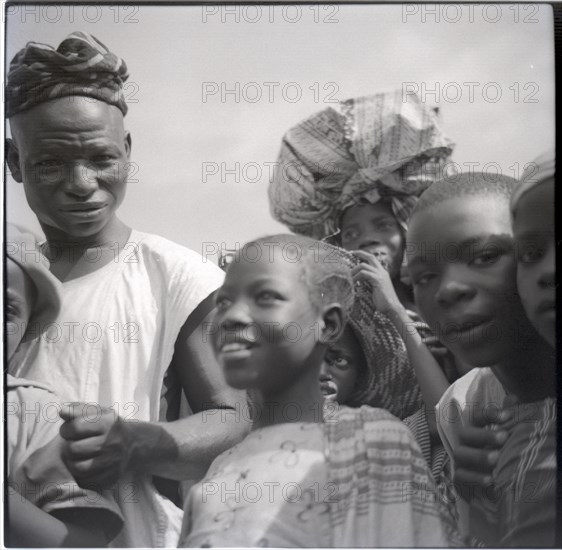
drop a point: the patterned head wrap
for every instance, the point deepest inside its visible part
(81, 65)
(540, 170)
(368, 148)
(390, 382)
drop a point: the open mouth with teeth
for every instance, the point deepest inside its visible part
(329, 389)
(235, 349)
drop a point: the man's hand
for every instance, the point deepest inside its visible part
(97, 448)
(371, 270)
(478, 451)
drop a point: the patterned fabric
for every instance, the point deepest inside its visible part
(386, 496)
(367, 148)
(540, 170)
(518, 509)
(390, 382)
(81, 65)
(356, 480)
(440, 465)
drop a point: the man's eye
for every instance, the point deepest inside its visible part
(50, 163)
(104, 158)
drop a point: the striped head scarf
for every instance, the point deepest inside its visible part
(542, 169)
(368, 148)
(389, 381)
(81, 65)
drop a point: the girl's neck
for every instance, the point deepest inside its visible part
(302, 401)
(529, 373)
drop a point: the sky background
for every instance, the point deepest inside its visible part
(344, 51)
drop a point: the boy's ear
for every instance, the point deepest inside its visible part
(333, 323)
(13, 159)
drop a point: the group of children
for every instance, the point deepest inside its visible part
(380, 431)
(481, 258)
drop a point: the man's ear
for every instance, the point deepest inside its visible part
(13, 159)
(128, 144)
(332, 323)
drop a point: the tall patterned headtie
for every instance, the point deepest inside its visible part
(363, 149)
(81, 65)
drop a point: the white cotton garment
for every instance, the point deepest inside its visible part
(111, 346)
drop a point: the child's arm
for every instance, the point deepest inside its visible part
(431, 378)
(29, 526)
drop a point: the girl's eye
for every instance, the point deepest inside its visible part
(267, 296)
(530, 255)
(386, 225)
(222, 302)
(487, 257)
(349, 234)
(423, 279)
(337, 360)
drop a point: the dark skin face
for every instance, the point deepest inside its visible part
(533, 228)
(343, 362)
(464, 278)
(268, 329)
(20, 297)
(374, 229)
(71, 155)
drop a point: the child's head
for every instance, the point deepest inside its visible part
(282, 301)
(532, 208)
(462, 262)
(369, 364)
(32, 292)
(374, 228)
(345, 366)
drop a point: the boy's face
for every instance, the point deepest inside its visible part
(462, 264)
(374, 229)
(20, 295)
(533, 229)
(267, 326)
(342, 364)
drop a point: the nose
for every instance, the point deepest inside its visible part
(325, 375)
(453, 289)
(238, 314)
(81, 180)
(369, 239)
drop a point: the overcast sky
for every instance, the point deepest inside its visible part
(176, 54)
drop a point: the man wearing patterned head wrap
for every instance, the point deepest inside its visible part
(133, 304)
